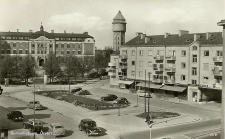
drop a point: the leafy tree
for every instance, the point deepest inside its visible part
(87, 64)
(52, 66)
(6, 69)
(26, 68)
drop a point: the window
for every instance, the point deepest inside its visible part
(132, 73)
(183, 65)
(56, 45)
(206, 53)
(205, 79)
(65, 45)
(205, 66)
(21, 38)
(141, 63)
(193, 81)
(68, 52)
(140, 73)
(150, 52)
(50, 45)
(141, 52)
(74, 39)
(194, 58)
(8, 51)
(194, 48)
(183, 53)
(160, 52)
(194, 70)
(124, 52)
(62, 46)
(20, 51)
(14, 51)
(79, 52)
(62, 52)
(14, 44)
(149, 63)
(56, 38)
(132, 62)
(26, 51)
(3, 51)
(133, 52)
(33, 45)
(8, 37)
(32, 51)
(183, 77)
(219, 53)
(74, 51)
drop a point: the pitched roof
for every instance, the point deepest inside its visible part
(175, 39)
(119, 18)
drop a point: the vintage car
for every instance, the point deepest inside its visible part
(15, 116)
(142, 93)
(35, 105)
(89, 126)
(121, 100)
(56, 129)
(75, 90)
(34, 125)
(109, 97)
(83, 92)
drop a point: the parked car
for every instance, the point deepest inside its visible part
(15, 116)
(33, 125)
(57, 129)
(35, 105)
(89, 126)
(83, 92)
(144, 94)
(121, 100)
(75, 90)
(109, 97)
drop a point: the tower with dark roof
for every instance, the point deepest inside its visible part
(119, 29)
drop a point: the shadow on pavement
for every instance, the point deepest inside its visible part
(68, 133)
(103, 131)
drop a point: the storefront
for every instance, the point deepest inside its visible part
(125, 84)
(154, 88)
(175, 91)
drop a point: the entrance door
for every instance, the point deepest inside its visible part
(195, 96)
(41, 62)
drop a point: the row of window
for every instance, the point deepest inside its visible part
(27, 38)
(170, 53)
(69, 39)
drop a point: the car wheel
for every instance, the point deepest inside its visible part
(80, 128)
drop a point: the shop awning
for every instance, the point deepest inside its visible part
(155, 86)
(125, 82)
(173, 88)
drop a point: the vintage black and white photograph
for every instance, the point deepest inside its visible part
(112, 69)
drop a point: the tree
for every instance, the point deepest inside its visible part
(6, 69)
(52, 66)
(87, 64)
(26, 68)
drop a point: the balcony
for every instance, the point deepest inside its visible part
(111, 64)
(218, 68)
(123, 57)
(170, 57)
(170, 69)
(112, 73)
(217, 85)
(170, 81)
(217, 73)
(112, 70)
(218, 59)
(158, 57)
(123, 66)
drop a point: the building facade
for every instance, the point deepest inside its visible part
(182, 65)
(39, 44)
(119, 29)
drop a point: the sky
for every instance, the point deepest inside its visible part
(153, 17)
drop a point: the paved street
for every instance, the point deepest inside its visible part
(127, 125)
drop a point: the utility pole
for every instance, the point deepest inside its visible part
(222, 23)
(145, 91)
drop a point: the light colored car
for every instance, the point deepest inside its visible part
(37, 105)
(57, 129)
(144, 94)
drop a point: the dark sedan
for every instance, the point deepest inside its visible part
(109, 97)
(75, 90)
(15, 116)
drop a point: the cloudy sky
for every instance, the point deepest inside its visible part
(155, 17)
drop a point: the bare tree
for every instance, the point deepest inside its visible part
(52, 66)
(26, 68)
(87, 64)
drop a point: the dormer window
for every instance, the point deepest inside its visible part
(194, 48)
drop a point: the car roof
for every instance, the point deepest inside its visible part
(36, 120)
(87, 120)
(56, 124)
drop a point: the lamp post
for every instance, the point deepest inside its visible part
(222, 23)
(149, 93)
(145, 91)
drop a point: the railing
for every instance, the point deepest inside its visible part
(170, 57)
(159, 57)
(170, 69)
(111, 64)
(218, 59)
(123, 56)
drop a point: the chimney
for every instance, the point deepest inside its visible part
(196, 37)
(64, 31)
(182, 32)
(143, 36)
(52, 31)
(147, 39)
(208, 35)
(85, 33)
(17, 30)
(166, 35)
(138, 33)
(30, 31)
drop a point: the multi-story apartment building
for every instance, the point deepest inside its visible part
(40, 43)
(183, 65)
